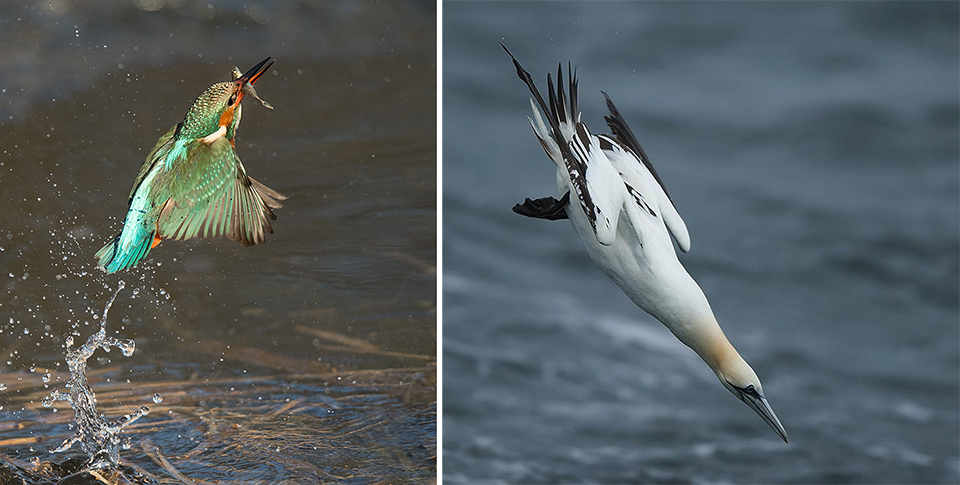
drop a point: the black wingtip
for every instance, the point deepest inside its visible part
(610, 106)
(528, 80)
(520, 70)
(623, 134)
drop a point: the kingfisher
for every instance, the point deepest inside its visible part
(192, 183)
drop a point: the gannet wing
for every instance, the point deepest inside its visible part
(603, 184)
(562, 118)
(641, 177)
(631, 173)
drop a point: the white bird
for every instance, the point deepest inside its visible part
(624, 216)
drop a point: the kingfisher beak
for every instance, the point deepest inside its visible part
(255, 72)
(248, 79)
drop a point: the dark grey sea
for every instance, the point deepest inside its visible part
(811, 148)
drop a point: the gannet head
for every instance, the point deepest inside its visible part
(737, 376)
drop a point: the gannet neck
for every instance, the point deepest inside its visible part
(712, 346)
(707, 339)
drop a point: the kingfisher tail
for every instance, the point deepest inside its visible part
(126, 250)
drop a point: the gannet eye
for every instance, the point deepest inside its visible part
(751, 391)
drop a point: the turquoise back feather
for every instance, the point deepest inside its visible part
(139, 227)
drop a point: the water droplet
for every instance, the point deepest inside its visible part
(99, 437)
(3, 387)
(126, 346)
(157, 398)
(47, 402)
(46, 377)
(33, 368)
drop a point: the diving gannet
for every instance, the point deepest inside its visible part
(621, 210)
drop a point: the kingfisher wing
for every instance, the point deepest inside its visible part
(641, 179)
(211, 196)
(158, 154)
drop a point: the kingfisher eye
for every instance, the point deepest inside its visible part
(233, 98)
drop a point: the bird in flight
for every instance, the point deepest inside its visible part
(192, 183)
(620, 208)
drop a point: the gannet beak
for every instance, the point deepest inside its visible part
(759, 404)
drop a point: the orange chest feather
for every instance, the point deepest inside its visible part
(227, 117)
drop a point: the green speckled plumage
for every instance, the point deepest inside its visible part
(192, 183)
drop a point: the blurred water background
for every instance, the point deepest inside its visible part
(311, 357)
(811, 148)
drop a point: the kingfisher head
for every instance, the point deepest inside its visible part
(216, 113)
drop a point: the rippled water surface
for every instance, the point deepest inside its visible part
(811, 148)
(309, 357)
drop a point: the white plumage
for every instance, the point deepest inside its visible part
(625, 218)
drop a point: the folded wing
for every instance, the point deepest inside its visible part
(603, 182)
(625, 151)
(604, 171)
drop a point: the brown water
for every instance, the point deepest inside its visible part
(312, 355)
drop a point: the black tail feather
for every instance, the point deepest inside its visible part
(552, 96)
(562, 108)
(576, 168)
(574, 108)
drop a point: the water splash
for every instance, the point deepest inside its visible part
(99, 438)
